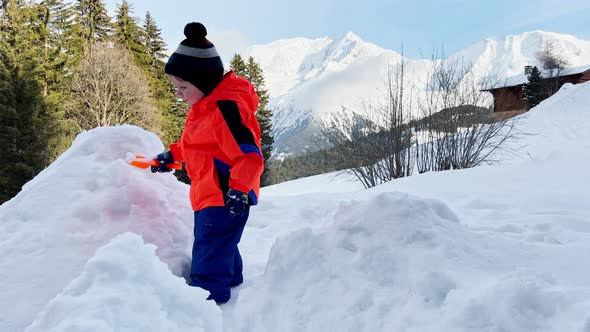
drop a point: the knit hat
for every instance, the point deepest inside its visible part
(196, 60)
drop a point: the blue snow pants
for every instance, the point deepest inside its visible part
(217, 264)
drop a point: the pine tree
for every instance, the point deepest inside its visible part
(156, 48)
(130, 35)
(264, 113)
(238, 65)
(93, 20)
(25, 124)
(253, 73)
(125, 27)
(162, 89)
(534, 90)
(59, 40)
(172, 109)
(63, 44)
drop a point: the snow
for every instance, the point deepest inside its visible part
(108, 290)
(93, 244)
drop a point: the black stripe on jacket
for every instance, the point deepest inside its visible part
(242, 134)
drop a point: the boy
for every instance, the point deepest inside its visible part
(220, 146)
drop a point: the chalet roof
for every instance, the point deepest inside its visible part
(523, 79)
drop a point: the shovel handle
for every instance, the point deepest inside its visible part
(141, 162)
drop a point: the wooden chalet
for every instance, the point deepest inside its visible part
(508, 96)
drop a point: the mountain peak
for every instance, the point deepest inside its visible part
(352, 36)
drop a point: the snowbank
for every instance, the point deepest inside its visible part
(559, 127)
(76, 205)
(358, 273)
(124, 287)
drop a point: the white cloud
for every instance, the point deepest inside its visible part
(228, 43)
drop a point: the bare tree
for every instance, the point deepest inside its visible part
(553, 63)
(109, 89)
(458, 129)
(396, 110)
(377, 144)
(550, 58)
(353, 139)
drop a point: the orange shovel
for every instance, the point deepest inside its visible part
(142, 162)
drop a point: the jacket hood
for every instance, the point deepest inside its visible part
(237, 89)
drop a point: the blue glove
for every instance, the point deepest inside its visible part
(237, 202)
(164, 158)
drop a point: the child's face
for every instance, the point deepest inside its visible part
(190, 93)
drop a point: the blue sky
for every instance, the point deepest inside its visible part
(420, 25)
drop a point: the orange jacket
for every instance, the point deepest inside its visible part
(220, 144)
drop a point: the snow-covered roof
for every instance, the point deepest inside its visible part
(523, 79)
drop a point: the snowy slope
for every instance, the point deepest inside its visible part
(92, 244)
(309, 80)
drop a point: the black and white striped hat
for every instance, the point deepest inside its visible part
(196, 60)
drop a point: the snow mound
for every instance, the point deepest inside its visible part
(79, 203)
(378, 258)
(516, 302)
(560, 125)
(125, 286)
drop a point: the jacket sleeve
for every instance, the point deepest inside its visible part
(176, 150)
(238, 138)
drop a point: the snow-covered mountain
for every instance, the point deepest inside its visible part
(312, 79)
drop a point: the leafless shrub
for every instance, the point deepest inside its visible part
(458, 129)
(553, 63)
(550, 58)
(377, 145)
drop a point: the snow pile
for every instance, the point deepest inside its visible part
(124, 287)
(79, 203)
(378, 259)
